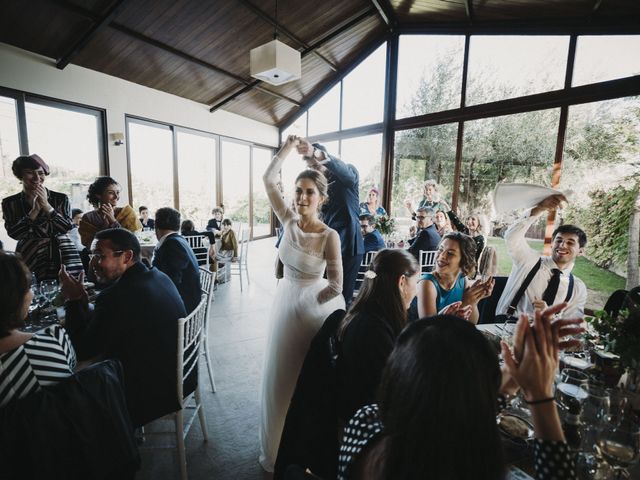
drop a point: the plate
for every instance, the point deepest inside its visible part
(515, 427)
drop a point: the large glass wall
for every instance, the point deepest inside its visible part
(197, 154)
(68, 137)
(429, 74)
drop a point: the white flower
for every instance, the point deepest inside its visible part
(370, 274)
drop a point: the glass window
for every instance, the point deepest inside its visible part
(9, 150)
(600, 58)
(363, 91)
(600, 168)
(503, 67)
(429, 74)
(298, 127)
(422, 154)
(261, 207)
(365, 153)
(236, 161)
(511, 148)
(68, 140)
(151, 163)
(196, 176)
(324, 115)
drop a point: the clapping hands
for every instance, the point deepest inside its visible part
(479, 290)
(457, 309)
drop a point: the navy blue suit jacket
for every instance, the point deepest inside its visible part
(342, 210)
(176, 259)
(373, 242)
(427, 239)
(135, 320)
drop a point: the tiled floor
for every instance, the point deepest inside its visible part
(236, 336)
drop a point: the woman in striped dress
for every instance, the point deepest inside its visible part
(40, 219)
(27, 361)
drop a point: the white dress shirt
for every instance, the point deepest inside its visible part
(524, 258)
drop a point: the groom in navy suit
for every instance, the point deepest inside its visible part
(341, 211)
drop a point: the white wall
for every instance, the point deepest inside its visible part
(32, 73)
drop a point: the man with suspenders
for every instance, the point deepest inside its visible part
(537, 281)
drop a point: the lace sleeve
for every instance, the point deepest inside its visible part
(334, 268)
(270, 179)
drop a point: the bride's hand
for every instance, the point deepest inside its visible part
(287, 146)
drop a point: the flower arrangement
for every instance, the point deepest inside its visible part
(619, 334)
(385, 224)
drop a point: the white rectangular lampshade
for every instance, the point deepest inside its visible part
(275, 63)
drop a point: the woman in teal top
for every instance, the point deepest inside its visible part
(446, 289)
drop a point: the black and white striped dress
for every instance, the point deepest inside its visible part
(46, 359)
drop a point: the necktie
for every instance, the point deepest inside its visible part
(549, 295)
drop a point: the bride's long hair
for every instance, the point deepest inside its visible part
(379, 291)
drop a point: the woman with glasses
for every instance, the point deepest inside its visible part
(40, 219)
(28, 361)
(104, 194)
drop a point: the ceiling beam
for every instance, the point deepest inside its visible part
(179, 53)
(385, 10)
(629, 24)
(82, 42)
(468, 6)
(340, 28)
(286, 32)
(622, 87)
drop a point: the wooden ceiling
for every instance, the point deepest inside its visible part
(199, 49)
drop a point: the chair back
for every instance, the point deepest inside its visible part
(367, 258)
(427, 259)
(206, 281)
(200, 246)
(487, 306)
(244, 245)
(190, 331)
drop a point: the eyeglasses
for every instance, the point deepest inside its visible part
(100, 256)
(421, 216)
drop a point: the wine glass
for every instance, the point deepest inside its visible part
(49, 289)
(620, 446)
(618, 404)
(571, 389)
(596, 407)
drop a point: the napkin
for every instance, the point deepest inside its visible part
(513, 196)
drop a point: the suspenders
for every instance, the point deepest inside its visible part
(523, 288)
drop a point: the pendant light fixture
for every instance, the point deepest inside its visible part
(275, 62)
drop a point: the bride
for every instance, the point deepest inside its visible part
(303, 298)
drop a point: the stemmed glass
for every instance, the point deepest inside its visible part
(620, 446)
(49, 289)
(572, 389)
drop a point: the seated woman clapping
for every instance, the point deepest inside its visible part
(28, 361)
(438, 400)
(447, 287)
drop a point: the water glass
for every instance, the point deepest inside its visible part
(572, 389)
(596, 407)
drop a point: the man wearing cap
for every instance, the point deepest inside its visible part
(39, 220)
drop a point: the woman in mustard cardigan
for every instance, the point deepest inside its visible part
(104, 194)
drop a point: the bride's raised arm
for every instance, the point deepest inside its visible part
(270, 179)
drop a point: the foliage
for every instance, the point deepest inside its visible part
(619, 334)
(385, 224)
(606, 222)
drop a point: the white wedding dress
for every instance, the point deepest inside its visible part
(302, 302)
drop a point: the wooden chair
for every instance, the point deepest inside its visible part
(207, 285)
(427, 259)
(367, 258)
(190, 335)
(241, 265)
